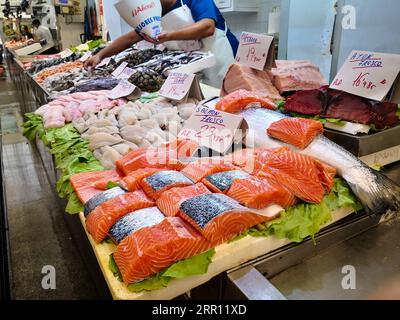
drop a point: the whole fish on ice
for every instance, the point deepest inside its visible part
(377, 193)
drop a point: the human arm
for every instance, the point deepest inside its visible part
(118, 45)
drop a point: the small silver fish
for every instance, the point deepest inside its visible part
(377, 193)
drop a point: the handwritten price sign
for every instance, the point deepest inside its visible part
(253, 50)
(368, 74)
(123, 89)
(177, 85)
(211, 128)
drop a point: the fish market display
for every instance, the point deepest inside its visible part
(240, 99)
(152, 249)
(220, 182)
(85, 183)
(104, 216)
(295, 131)
(39, 65)
(74, 107)
(113, 134)
(250, 79)
(147, 79)
(170, 201)
(376, 192)
(41, 76)
(162, 181)
(199, 169)
(331, 103)
(137, 57)
(217, 217)
(297, 75)
(259, 193)
(97, 83)
(135, 221)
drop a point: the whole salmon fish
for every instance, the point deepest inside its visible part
(377, 193)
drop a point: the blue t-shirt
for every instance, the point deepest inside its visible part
(202, 9)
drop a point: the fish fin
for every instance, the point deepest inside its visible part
(382, 197)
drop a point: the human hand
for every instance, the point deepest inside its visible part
(162, 37)
(92, 62)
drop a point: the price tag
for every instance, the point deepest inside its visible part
(119, 70)
(86, 56)
(368, 74)
(126, 74)
(123, 89)
(66, 53)
(104, 62)
(254, 49)
(211, 128)
(177, 86)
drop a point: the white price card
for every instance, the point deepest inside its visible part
(126, 74)
(177, 85)
(104, 62)
(368, 74)
(211, 128)
(86, 56)
(119, 70)
(254, 50)
(123, 89)
(66, 53)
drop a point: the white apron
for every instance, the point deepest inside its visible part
(218, 44)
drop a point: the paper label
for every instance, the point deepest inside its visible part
(104, 62)
(368, 74)
(123, 89)
(66, 53)
(253, 50)
(86, 56)
(119, 70)
(177, 85)
(211, 128)
(126, 74)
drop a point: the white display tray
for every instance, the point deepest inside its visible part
(227, 256)
(197, 66)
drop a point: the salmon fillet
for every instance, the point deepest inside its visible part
(221, 182)
(84, 183)
(132, 181)
(295, 131)
(219, 218)
(101, 219)
(159, 182)
(296, 172)
(152, 249)
(170, 200)
(198, 170)
(240, 99)
(326, 175)
(260, 193)
(244, 159)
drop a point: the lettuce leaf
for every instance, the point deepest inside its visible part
(112, 184)
(181, 269)
(74, 205)
(33, 126)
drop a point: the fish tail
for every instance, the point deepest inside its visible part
(380, 197)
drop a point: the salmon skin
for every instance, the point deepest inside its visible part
(101, 219)
(241, 99)
(217, 217)
(84, 183)
(298, 132)
(161, 181)
(170, 200)
(132, 181)
(102, 197)
(135, 221)
(152, 249)
(221, 182)
(377, 193)
(259, 193)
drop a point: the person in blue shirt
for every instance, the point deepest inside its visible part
(187, 25)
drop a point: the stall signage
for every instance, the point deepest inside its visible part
(104, 62)
(211, 128)
(371, 75)
(177, 86)
(254, 50)
(119, 70)
(86, 56)
(66, 53)
(123, 89)
(126, 73)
